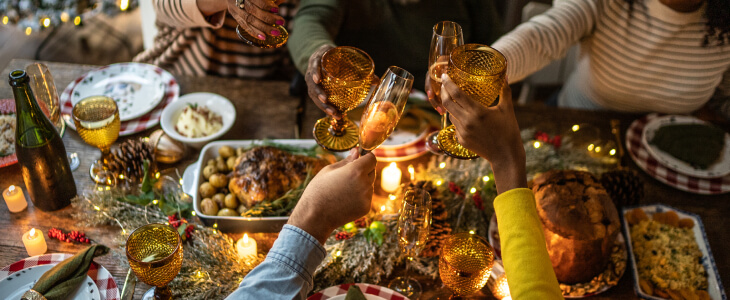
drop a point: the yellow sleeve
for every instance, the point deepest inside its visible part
(526, 262)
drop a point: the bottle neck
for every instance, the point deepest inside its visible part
(32, 127)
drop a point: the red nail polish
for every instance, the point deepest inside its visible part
(275, 32)
(279, 22)
(274, 9)
(261, 37)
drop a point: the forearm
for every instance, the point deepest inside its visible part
(524, 254)
(190, 13)
(210, 7)
(317, 23)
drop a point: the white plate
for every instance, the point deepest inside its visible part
(214, 102)
(137, 88)
(714, 288)
(15, 285)
(720, 168)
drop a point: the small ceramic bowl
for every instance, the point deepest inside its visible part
(214, 102)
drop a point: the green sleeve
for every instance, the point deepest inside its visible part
(527, 265)
(317, 23)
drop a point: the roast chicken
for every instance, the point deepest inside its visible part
(267, 173)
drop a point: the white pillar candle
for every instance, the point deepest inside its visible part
(390, 178)
(246, 247)
(15, 198)
(35, 243)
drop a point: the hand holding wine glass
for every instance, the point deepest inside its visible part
(385, 108)
(414, 225)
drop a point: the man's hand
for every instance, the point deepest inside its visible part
(340, 193)
(257, 16)
(313, 77)
(491, 132)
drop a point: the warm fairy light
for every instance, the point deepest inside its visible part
(199, 274)
(32, 233)
(575, 128)
(108, 188)
(485, 178)
(97, 208)
(181, 181)
(46, 22)
(412, 171)
(382, 208)
(64, 17)
(77, 20)
(536, 144)
(123, 5)
(391, 197)
(5, 20)
(124, 231)
(442, 165)
(439, 182)
(473, 190)
(193, 213)
(612, 152)
(157, 175)
(338, 253)
(167, 223)
(28, 30)
(215, 225)
(121, 176)
(155, 201)
(471, 231)
(598, 149)
(501, 288)
(100, 189)
(591, 146)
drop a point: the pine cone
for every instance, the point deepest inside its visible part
(624, 186)
(440, 226)
(128, 159)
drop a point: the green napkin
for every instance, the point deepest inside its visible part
(696, 144)
(354, 293)
(58, 282)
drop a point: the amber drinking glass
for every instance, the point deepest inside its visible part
(465, 263)
(384, 108)
(347, 73)
(414, 224)
(97, 122)
(446, 37)
(155, 255)
(479, 71)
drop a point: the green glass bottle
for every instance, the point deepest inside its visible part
(40, 150)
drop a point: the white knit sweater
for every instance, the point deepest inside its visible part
(649, 60)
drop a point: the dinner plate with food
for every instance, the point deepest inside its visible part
(671, 258)
(252, 185)
(198, 118)
(688, 145)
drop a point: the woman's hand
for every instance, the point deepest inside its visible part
(313, 77)
(491, 132)
(257, 16)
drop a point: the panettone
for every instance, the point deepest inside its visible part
(579, 221)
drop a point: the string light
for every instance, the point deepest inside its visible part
(155, 202)
(537, 144)
(591, 147)
(612, 152)
(412, 171)
(46, 22)
(338, 253)
(97, 208)
(442, 165)
(473, 190)
(28, 30)
(471, 231)
(485, 178)
(77, 20)
(391, 197)
(123, 5)
(382, 208)
(575, 128)
(193, 213)
(598, 149)
(64, 17)
(439, 182)
(5, 20)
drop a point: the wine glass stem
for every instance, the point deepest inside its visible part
(444, 120)
(105, 155)
(163, 293)
(337, 126)
(407, 276)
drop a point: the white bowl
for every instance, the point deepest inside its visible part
(214, 102)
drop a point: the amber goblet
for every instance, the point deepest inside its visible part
(465, 263)
(155, 254)
(479, 71)
(97, 122)
(347, 73)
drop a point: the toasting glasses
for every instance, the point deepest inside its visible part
(479, 71)
(446, 37)
(465, 263)
(385, 108)
(414, 224)
(346, 76)
(155, 255)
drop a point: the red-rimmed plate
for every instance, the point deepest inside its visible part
(367, 289)
(7, 107)
(104, 281)
(148, 120)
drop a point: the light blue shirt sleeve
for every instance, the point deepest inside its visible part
(287, 271)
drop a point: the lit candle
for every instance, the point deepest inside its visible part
(35, 243)
(390, 178)
(15, 199)
(246, 247)
(412, 171)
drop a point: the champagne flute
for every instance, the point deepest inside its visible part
(479, 71)
(347, 73)
(97, 122)
(155, 255)
(385, 108)
(413, 228)
(465, 263)
(45, 93)
(447, 35)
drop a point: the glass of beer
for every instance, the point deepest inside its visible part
(446, 37)
(479, 71)
(97, 122)
(465, 263)
(384, 108)
(155, 255)
(347, 74)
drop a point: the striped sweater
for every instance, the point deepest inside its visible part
(189, 43)
(648, 60)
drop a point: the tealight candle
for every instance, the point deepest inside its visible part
(15, 199)
(35, 243)
(246, 247)
(390, 178)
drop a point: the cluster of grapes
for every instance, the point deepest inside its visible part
(176, 223)
(73, 236)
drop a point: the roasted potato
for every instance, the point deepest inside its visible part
(227, 212)
(209, 207)
(206, 190)
(226, 151)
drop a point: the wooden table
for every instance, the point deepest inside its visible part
(265, 110)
